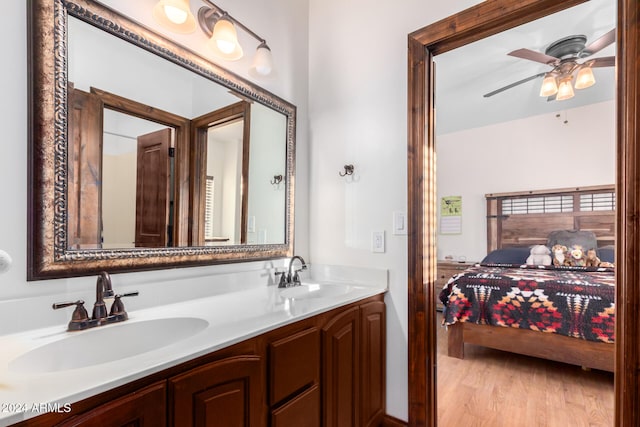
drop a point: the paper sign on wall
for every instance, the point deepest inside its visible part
(451, 215)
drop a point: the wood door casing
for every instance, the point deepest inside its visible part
(84, 192)
(152, 189)
(199, 128)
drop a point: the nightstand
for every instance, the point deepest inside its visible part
(446, 269)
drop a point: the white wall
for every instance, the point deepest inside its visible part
(358, 115)
(282, 22)
(547, 153)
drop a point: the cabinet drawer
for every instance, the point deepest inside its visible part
(294, 363)
(303, 410)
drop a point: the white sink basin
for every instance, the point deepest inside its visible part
(106, 344)
(314, 290)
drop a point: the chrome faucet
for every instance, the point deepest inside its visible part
(80, 318)
(291, 277)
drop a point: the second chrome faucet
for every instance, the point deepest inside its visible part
(290, 276)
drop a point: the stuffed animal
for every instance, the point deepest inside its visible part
(592, 259)
(577, 257)
(539, 255)
(559, 253)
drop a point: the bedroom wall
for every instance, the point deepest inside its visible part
(547, 153)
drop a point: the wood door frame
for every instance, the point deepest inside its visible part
(181, 157)
(199, 128)
(472, 24)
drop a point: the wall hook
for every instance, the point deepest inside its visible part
(348, 170)
(277, 179)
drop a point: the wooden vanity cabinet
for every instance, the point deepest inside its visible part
(353, 354)
(226, 392)
(146, 407)
(326, 370)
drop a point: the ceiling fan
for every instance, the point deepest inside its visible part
(563, 56)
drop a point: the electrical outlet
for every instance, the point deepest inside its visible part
(377, 241)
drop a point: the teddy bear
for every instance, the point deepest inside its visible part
(577, 257)
(592, 259)
(539, 255)
(559, 255)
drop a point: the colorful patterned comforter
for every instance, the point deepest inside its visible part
(573, 301)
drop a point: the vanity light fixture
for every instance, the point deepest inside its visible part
(220, 27)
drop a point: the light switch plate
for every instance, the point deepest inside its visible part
(399, 223)
(377, 241)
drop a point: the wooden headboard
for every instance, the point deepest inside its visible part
(526, 218)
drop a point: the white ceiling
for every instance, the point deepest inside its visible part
(465, 74)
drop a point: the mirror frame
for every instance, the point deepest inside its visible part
(48, 255)
(485, 19)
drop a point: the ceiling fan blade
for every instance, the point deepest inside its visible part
(532, 55)
(600, 43)
(605, 61)
(509, 86)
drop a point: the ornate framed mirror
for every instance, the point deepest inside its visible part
(135, 162)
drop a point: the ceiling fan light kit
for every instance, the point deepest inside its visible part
(563, 55)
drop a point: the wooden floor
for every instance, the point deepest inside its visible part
(493, 388)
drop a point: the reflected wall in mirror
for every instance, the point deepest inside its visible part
(153, 157)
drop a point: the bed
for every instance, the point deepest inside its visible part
(566, 314)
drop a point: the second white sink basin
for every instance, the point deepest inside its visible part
(314, 290)
(106, 344)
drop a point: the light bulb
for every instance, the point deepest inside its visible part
(175, 15)
(224, 40)
(262, 62)
(549, 86)
(585, 78)
(565, 91)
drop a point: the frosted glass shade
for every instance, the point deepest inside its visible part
(585, 78)
(262, 65)
(224, 40)
(175, 15)
(565, 90)
(549, 86)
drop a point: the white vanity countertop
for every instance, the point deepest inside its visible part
(232, 317)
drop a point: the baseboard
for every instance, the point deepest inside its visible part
(389, 421)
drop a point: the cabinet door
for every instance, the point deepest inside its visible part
(372, 363)
(226, 393)
(340, 348)
(144, 408)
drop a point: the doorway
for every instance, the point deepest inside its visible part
(475, 23)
